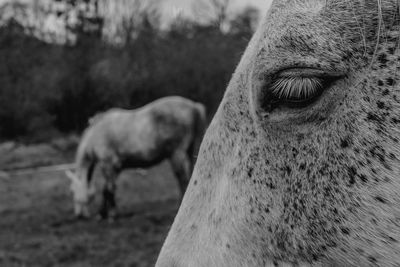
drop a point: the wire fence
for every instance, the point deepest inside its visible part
(8, 173)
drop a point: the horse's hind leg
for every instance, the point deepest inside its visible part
(181, 166)
(108, 207)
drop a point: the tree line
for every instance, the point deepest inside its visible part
(50, 88)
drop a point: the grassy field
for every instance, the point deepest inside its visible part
(37, 227)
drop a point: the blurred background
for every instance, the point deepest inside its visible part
(61, 62)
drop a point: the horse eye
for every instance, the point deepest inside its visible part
(298, 88)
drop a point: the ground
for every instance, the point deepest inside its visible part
(37, 227)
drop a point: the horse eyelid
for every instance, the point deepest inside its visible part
(296, 87)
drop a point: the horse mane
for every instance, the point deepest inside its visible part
(82, 156)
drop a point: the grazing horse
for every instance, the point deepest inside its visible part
(169, 128)
(300, 166)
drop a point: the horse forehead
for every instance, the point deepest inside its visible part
(319, 33)
(327, 13)
(333, 5)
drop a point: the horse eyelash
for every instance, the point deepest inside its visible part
(296, 88)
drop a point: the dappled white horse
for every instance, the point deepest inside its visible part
(301, 163)
(169, 128)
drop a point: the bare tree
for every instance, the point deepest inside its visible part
(31, 16)
(245, 22)
(212, 11)
(82, 18)
(133, 15)
(15, 11)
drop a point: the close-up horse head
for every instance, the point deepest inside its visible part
(300, 164)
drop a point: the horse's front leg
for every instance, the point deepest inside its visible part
(108, 207)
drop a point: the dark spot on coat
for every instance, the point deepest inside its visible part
(352, 172)
(390, 81)
(395, 120)
(385, 92)
(363, 178)
(345, 230)
(378, 153)
(344, 143)
(388, 237)
(288, 170)
(373, 117)
(382, 58)
(372, 259)
(380, 199)
(250, 172)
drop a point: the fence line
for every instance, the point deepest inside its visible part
(42, 169)
(6, 174)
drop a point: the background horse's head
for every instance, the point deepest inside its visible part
(83, 193)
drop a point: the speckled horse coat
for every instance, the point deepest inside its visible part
(301, 163)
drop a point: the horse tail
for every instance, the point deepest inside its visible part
(201, 120)
(199, 128)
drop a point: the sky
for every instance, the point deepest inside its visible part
(185, 6)
(170, 9)
(174, 7)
